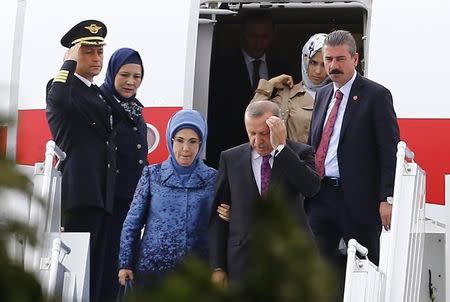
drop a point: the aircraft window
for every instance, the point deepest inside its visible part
(152, 137)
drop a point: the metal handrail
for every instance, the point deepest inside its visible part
(52, 151)
(57, 247)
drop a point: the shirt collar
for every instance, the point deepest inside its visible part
(84, 80)
(255, 154)
(296, 89)
(248, 59)
(347, 87)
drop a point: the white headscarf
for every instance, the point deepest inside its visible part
(314, 44)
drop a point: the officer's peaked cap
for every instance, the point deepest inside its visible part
(88, 32)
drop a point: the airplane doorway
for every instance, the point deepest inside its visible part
(294, 24)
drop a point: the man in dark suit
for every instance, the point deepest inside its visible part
(234, 79)
(354, 131)
(243, 180)
(81, 124)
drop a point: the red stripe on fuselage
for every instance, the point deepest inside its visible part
(426, 137)
(3, 132)
(33, 133)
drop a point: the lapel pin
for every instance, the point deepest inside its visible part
(355, 97)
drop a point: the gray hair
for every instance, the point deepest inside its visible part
(341, 37)
(259, 108)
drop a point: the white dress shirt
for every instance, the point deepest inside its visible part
(84, 80)
(331, 160)
(263, 70)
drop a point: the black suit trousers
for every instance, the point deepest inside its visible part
(97, 222)
(329, 221)
(110, 285)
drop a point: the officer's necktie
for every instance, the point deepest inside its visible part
(322, 150)
(95, 88)
(255, 77)
(266, 171)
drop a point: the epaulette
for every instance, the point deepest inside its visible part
(61, 76)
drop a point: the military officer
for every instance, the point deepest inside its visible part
(81, 124)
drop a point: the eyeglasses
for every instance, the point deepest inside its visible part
(190, 142)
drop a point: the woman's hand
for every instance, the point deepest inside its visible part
(224, 211)
(124, 275)
(281, 81)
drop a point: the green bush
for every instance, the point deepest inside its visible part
(16, 285)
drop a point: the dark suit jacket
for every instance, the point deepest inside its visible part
(367, 147)
(293, 170)
(81, 124)
(230, 93)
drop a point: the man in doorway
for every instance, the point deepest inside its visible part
(234, 79)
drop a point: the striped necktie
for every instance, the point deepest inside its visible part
(322, 150)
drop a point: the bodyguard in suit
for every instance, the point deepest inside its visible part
(81, 124)
(245, 174)
(354, 131)
(234, 79)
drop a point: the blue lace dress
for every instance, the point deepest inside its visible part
(175, 215)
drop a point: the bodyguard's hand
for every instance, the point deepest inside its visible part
(385, 214)
(124, 275)
(281, 81)
(72, 53)
(224, 211)
(278, 131)
(219, 278)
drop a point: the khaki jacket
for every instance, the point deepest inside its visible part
(296, 107)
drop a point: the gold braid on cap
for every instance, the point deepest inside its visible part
(90, 41)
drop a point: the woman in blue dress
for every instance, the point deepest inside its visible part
(173, 201)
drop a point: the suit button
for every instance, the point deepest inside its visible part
(109, 166)
(135, 128)
(115, 148)
(117, 171)
(139, 146)
(107, 143)
(141, 161)
(93, 124)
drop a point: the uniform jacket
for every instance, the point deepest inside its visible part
(81, 124)
(131, 146)
(293, 169)
(175, 218)
(367, 146)
(296, 107)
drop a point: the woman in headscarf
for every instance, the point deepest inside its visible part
(123, 78)
(297, 101)
(173, 200)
